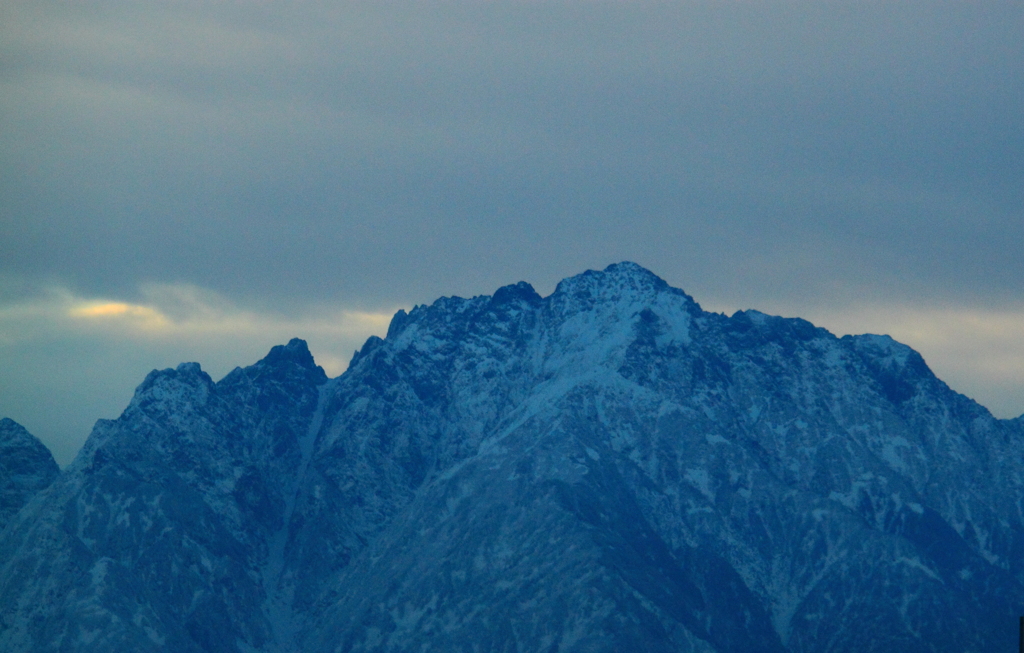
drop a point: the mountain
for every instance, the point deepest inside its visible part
(609, 468)
(26, 467)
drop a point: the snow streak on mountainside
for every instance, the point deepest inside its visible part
(608, 468)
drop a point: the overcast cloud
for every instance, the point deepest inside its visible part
(201, 181)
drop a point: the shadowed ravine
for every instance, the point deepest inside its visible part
(278, 583)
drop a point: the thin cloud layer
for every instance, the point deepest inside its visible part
(231, 145)
(176, 314)
(189, 313)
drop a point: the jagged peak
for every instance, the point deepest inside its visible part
(453, 309)
(884, 350)
(629, 268)
(755, 316)
(398, 320)
(626, 285)
(13, 434)
(26, 467)
(285, 360)
(188, 373)
(296, 351)
(898, 368)
(189, 369)
(372, 344)
(521, 291)
(617, 276)
(168, 387)
(775, 326)
(881, 344)
(624, 288)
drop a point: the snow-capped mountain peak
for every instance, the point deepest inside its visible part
(607, 468)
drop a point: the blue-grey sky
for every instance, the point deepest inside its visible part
(200, 181)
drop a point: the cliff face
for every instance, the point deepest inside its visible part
(608, 468)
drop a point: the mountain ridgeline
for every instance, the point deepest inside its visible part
(609, 468)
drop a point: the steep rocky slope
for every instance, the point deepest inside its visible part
(608, 468)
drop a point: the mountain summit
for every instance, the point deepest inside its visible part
(26, 468)
(609, 468)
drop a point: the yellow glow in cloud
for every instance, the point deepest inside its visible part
(189, 312)
(182, 313)
(196, 322)
(144, 317)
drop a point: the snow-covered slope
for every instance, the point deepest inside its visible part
(608, 468)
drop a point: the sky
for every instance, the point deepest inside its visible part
(199, 181)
